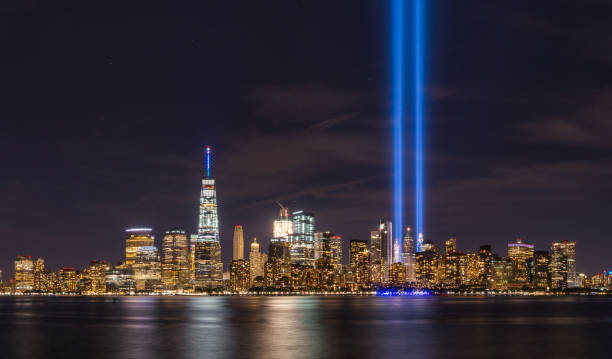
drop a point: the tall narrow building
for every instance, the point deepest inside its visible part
(520, 253)
(563, 265)
(375, 258)
(238, 242)
(386, 248)
(303, 238)
(208, 268)
(24, 274)
(408, 256)
(256, 260)
(136, 238)
(175, 262)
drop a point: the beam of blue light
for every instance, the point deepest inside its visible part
(397, 55)
(418, 115)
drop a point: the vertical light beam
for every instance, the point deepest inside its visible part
(397, 49)
(418, 118)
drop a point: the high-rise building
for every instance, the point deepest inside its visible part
(120, 280)
(332, 250)
(282, 228)
(95, 277)
(40, 276)
(303, 238)
(429, 245)
(519, 253)
(175, 262)
(386, 248)
(318, 245)
(450, 246)
(486, 273)
(147, 270)
(240, 275)
(256, 260)
(563, 265)
(360, 262)
(427, 269)
(541, 279)
(408, 256)
(24, 274)
(208, 268)
(397, 274)
(238, 241)
(503, 271)
(67, 278)
(136, 238)
(376, 271)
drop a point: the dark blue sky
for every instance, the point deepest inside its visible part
(105, 110)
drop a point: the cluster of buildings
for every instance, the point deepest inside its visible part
(301, 259)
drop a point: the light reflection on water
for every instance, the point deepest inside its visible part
(304, 327)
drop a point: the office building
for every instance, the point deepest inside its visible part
(563, 265)
(238, 241)
(175, 262)
(136, 238)
(303, 238)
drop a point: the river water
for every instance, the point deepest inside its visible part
(305, 327)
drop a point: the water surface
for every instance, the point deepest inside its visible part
(305, 327)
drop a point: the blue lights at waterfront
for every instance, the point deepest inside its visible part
(397, 55)
(403, 293)
(418, 114)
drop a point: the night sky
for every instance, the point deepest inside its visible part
(105, 110)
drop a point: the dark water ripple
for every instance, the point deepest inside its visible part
(305, 327)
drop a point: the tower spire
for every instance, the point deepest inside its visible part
(208, 150)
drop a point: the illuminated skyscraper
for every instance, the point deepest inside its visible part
(147, 270)
(376, 258)
(175, 262)
(240, 275)
(563, 265)
(542, 273)
(450, 246)
(137, 237)
(256, 260)
(360, 262)
(397, 274)
(385, 230)
(24, 274)
(40, 277)
(519, 253)
(282, 227)
(408, 256)
(95, 276)
(208, 268)
(318, 245)
(67, 278)
(303, 238)
(332, 250)
(238, 241)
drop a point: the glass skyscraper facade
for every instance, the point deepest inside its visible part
(208, 267)
(303, 238)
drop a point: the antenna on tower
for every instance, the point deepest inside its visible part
(208, 149)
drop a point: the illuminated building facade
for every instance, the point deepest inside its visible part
(408, 256)
(450, 246)
(175, 262)
(359, 262)
(332, 250)
(282, 228)
(256, 260)
(67, 277)
(318, 245)
(563, 265)
(397, 274)
(240, 275)
(485, 267)
(303, 238)
(427, 272)
(147, 270)
(41, 277)
(136, 238)
(95, 277)
(238, 241)
(520, 253)
(376, 272)
(120, 280)
(24, 274)
(542, 275)
(503, 271)
(208, 268)
(385, 230)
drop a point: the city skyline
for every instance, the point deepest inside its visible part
(104, 123)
